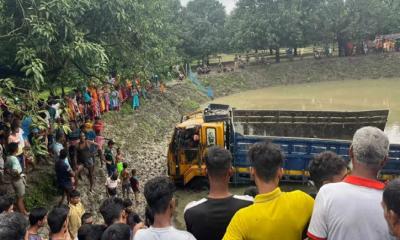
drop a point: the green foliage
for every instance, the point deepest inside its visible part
(43, 192)
(263, 24)
(203, 24)
(68, 42)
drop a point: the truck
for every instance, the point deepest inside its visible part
(300, 135)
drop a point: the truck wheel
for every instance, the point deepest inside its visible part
(199, 184)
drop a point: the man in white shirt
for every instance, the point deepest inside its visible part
(352, 209)
(159, 194)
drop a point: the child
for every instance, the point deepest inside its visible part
(135, 185)
(119, 158)
(125, 181)
(76, 210)
(37, 220)
(112, 184)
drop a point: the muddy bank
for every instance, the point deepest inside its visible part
(143, 135)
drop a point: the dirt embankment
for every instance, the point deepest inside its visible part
(304, 71)
(143, 135)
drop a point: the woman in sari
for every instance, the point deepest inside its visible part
(115, 100)
(107, 98)
(135, 99)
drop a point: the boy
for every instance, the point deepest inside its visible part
(135, 185)
(37, 220)
(17, 177)
(76, 210)
(125, 181)
(109, 157)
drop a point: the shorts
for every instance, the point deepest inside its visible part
(89, 162)
(65, 188)
(19, 187)
(126, 187)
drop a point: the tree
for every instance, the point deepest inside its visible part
(203, 28)
(57, 43)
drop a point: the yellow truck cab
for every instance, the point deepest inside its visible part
(190, 139)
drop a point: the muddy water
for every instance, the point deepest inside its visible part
(340, 95)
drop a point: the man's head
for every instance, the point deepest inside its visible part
(60, 138)
(75, 197)
(219, 163)
(91, 232)
(63, 154)
(38, 216)
(391, 206)
(117, 231)
(110, 143)
(87, 218)
(369, 149)
(159, 193)
(13, 226)
(12, 148)
(6, 204)
(266, 160)
(113, 211)
(58, 219)
(327, 167)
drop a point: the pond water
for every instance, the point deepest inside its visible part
(349, 95)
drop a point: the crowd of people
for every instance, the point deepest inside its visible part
(351, 202)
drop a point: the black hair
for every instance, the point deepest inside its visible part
(149, 216)
(15, 125)
(159, 192)
(266, 158)
(251, 191)
(133, 172)
(56, 218)
(12, 148)
(91, 232)
(117, 231)
(85, 217)
(111, 209)
(63, 154)
(36, 215)
(128, 203)
(218, 161)
(391, 196)
(13, 226)
(114, 176)
(324, 166)
(125, 165)
(74, 193)
(133, 219)
(6, 202)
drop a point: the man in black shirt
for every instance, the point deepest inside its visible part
(208, 218)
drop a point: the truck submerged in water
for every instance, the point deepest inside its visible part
(300, 134)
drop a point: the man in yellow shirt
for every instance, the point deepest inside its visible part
(76, 210)
(274, 214)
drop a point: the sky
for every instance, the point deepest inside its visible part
(229, 4)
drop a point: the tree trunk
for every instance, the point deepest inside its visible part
(271, 52)
(277, 55)
(295, 52)
(341, 46)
